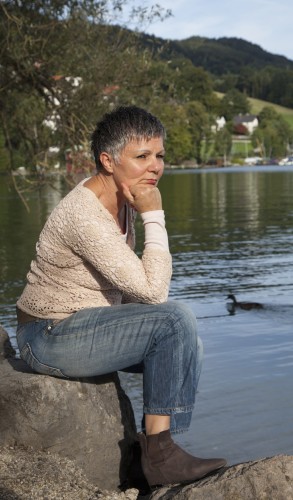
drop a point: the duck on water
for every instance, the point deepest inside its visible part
(247, 306)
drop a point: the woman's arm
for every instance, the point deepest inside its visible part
(98, 241)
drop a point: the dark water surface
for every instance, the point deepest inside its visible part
(230, 231)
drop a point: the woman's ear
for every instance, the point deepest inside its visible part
(107, 162)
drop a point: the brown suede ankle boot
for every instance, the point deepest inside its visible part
(164, 462)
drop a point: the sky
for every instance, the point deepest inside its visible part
(267, 23)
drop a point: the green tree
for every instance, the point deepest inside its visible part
(234, 103)
(199, 127)
(179, 146)
(223, 143)
(191, 83)
(45, 41)
(281, 86)
(273, 135)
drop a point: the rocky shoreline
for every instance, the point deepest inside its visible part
(26, 474)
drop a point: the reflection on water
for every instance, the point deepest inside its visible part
(19, 231)
(230, 231)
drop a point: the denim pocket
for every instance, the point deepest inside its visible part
(27, 355)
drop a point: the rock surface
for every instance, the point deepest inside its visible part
(267, 479)
(26, 474)
(89, 421)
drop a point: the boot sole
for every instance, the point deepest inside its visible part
(190, 481)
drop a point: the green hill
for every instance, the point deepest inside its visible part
(257, 105)
(218, 56)
(231, 63)
(229, 55)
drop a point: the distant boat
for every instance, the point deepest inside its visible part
(253, 160)
(246, 306)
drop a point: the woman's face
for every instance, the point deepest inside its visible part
(140, 162)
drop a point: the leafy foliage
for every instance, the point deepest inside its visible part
(273, 135)
(234, 103)
(223, 143)
(64, 63)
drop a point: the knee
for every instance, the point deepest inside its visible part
(185, 321)
(183, 313)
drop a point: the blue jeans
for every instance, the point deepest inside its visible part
(161, 338)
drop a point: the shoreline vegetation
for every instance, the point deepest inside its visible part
(188, 165)
(25, 181)
(242, 152)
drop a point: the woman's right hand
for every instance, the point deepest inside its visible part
(143, 198)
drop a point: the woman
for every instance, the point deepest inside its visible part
(91, 306)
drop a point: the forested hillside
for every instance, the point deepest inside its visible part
(229, 55)
(234, 63)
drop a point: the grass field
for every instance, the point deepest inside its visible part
(257, 105)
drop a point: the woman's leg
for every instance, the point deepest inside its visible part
(163, 461)
(163, 338)
(154, 424)
(97, 341)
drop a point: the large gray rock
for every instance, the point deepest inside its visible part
(89, 421)
(267, 479)
(26, 474)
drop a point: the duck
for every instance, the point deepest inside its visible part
(247, 306)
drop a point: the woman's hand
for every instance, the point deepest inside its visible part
(143, 198)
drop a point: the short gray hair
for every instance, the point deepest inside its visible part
(117, 128)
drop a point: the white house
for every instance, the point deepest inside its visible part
(250, 122)
(220, 122)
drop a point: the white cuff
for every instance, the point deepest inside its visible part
(155, 231)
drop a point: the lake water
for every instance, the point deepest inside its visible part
(230, 231)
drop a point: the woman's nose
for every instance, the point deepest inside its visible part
(156, 165)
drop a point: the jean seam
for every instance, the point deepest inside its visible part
(26, 350)
(173, 322)
(169, 411)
